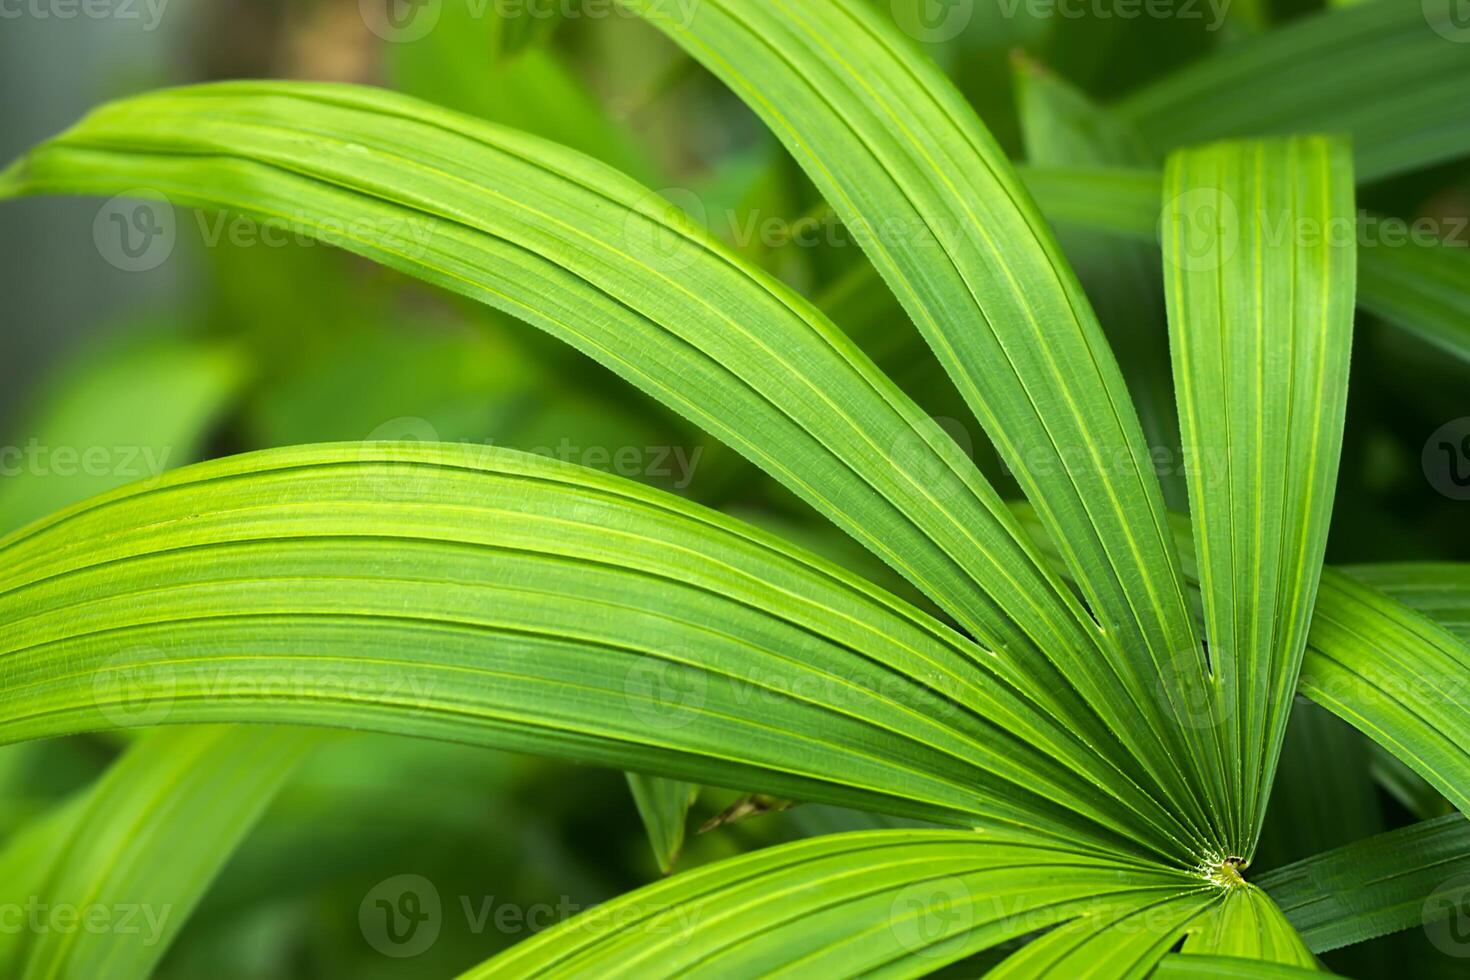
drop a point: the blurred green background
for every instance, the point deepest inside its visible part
(234, 340)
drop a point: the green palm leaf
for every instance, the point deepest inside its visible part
(1386, 72)
(1439, 590)
(886, 903)
(1261, 317)
(1247, 924)
(1395, 675)
(907, 165)
(596, 260)
(664, 805)
(138, 850)
(1178, 966)
(1413, 284)
(1407, 878)
(515, 601)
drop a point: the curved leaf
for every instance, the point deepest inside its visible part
(924, 188)
(1249, 925)
(549, 235)
(1422, 288)
(881, 902)
(487, 596)
(1388, 73)
(1121, 941)
(582, 252)
(137, 853)
(1398, 880)
(1439, 590)
(1179, 966)
(1395, 675)
(1414, 285)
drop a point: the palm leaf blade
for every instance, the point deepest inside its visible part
(890, 903)
(663, 805)
(1377, 885)
(1389, 74)
(151, 835)
(585, 254)
(1261, 322)
(909, 168)
(1413, 284)
(503, 599)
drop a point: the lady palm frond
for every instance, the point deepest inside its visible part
(1101, 757)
